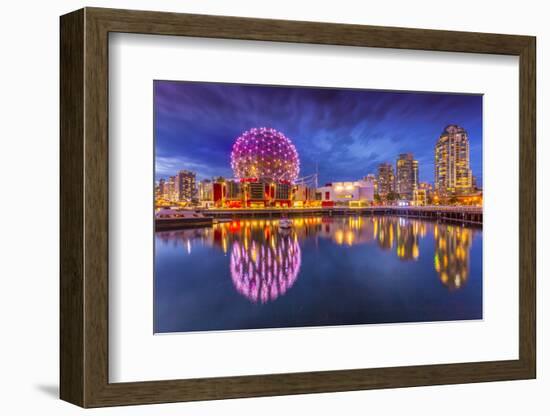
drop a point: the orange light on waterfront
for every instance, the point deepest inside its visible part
(349, 238)
(339, 237)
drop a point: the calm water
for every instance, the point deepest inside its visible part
(325, 271)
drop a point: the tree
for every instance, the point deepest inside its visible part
(392, 196)
(377, 198)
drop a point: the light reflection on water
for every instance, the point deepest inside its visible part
(264, 263)
(265, 269)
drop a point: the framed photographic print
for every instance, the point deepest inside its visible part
(256, 207)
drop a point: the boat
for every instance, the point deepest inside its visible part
(285, 223)
(171, 219)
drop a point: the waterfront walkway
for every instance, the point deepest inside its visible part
(457, 214)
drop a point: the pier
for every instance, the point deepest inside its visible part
(458, 214)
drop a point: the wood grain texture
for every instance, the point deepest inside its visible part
(96, 207)
(527, 207)
(71, 213)
(84, 207)
(225, 27)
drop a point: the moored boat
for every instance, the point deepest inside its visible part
(170, 219)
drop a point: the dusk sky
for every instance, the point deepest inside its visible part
(345, 133)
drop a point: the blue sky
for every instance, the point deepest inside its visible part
(345, 133)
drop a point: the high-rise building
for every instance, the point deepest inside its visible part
(185, 185)
(386, 179)
(452, 162)
(406, 176)
(371, 178)
(170, 193)
(160, 189)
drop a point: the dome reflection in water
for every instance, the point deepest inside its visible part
(267, 267)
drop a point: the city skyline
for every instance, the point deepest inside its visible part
(344, 134)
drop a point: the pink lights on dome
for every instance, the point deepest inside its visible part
(265, 153)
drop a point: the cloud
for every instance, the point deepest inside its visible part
(169, 166)
(342, 133)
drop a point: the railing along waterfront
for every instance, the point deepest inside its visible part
(457, 214)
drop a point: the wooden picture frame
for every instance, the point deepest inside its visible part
(84, 207)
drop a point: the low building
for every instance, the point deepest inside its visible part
(227, 194)
(474, 199)
(251, 194)
(420, 197)
(304, 196)
(349, 194)
(423, 195)
(264, 193)
(206, 193)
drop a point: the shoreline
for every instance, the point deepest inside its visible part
(469, 218)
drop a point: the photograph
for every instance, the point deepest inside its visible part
(293, 206)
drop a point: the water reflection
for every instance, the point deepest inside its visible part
(452, 254)
(402, 233)
(264, 261)
(265, 270)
